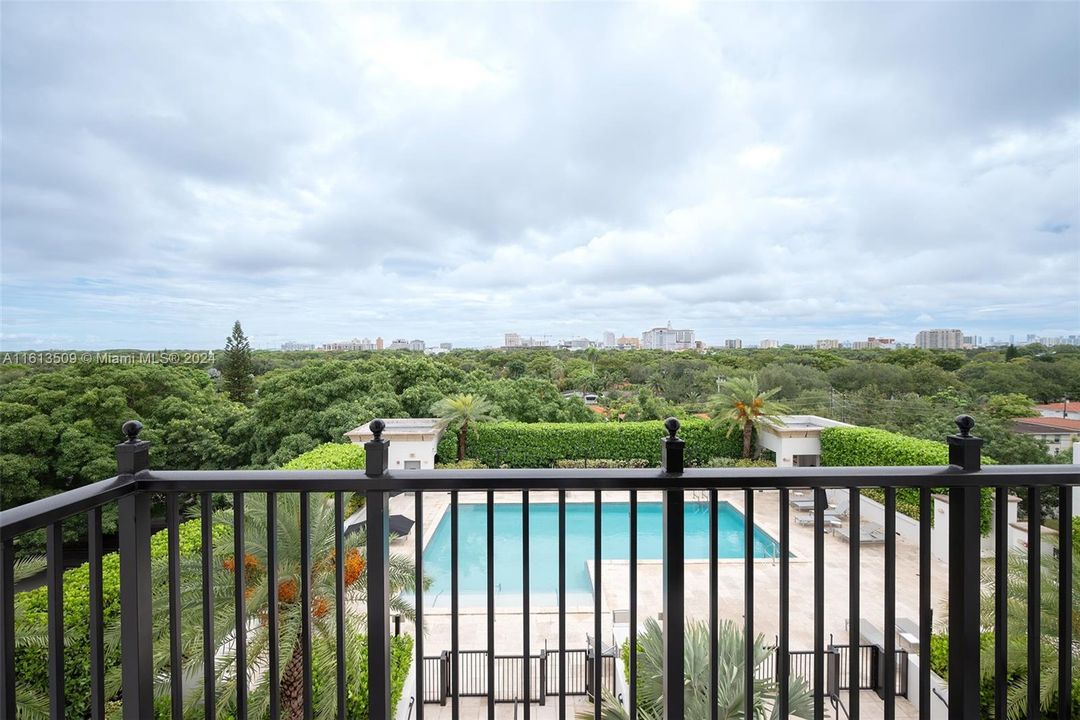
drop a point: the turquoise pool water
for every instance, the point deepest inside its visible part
(544, 547)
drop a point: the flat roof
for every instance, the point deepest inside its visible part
(401, 426)
(802, 423)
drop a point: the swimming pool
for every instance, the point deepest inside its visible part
(544, 547)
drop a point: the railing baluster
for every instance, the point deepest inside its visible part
(598, 645)
(890, 603)
(378, 603)
(7, 628)
(455, 657)
(819, 603)
(633, 604)
(714, 608)
(562, 605)
(1034, 601)
(339, 605)
(854, 621)
(748, 602)
(97, 616)
(136, 595)
(176, 654)
(783, 659)
(1001, 601)
(491, 605)
(272, 606)
(209, 634)
(240, 605)
(54, 552)
(305, 599)
(418, 552)
(1065, 598)
(525, 668)
(926, 612)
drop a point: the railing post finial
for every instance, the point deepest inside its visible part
(133, 455)
(965, 450)
(376, 450)
(671, 448)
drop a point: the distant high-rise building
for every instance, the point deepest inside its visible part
(628, 343)
(609, 339)
(511, 340)
(667, 338)
(828, 344)
(399, 344)
(874, 343)
(293, 346)
(768, 344)
(378, 343)
(733, 344)
(940, 339)
(446, 346)
(417, 346)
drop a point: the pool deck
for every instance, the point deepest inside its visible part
(615, 587)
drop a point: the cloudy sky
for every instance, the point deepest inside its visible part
(455, 171)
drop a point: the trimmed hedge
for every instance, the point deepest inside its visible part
(31, 663)
(863, 447)
(330, 456)
(542, 445)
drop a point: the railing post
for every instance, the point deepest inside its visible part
(671, 462)
(378, 572)
(136, 595)
(964, 579)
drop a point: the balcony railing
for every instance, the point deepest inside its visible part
(136, 484)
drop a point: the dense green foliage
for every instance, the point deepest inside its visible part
(32, 661)
(866, 447)
(329, 456)
(542, 445)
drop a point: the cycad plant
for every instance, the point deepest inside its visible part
(291, 611)
(731, 674)
(458, 411)
(1016, 612)
(743, 405)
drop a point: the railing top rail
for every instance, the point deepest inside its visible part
(39, 513)
(606, 479)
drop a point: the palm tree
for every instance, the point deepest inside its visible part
(731, 673)
(460, 410)
(1016, 612)
(322, 530)
(743, 405)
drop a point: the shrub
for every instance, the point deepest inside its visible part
(356, 702)
(32, 662)
(725, 462)
(602, 463)
(329, 456)
(461, 465)
(862, 447)
(542, 445)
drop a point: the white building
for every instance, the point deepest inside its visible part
(733, 344)
(667, 338)
(796, 439)
(1060, 410)
(511, 340)
(417, 346)
(940, 339)
(399, 344)
(769, 344)
(413, 441)
(609, 339)
(296, 347)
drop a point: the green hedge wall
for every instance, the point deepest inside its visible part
(31, 662)
(863, 447)
(330, 456)
(542, 445)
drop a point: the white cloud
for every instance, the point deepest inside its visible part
(455, 171)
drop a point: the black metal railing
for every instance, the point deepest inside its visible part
(136, 484)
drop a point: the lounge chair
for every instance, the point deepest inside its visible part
(869, 534)
(802, 504)
(830, 521)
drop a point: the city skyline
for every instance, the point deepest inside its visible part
(454, 170)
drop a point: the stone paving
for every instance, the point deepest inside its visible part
(543, 621)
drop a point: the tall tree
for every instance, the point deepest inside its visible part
(743, 405)
(238, 369)
(460, 410)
